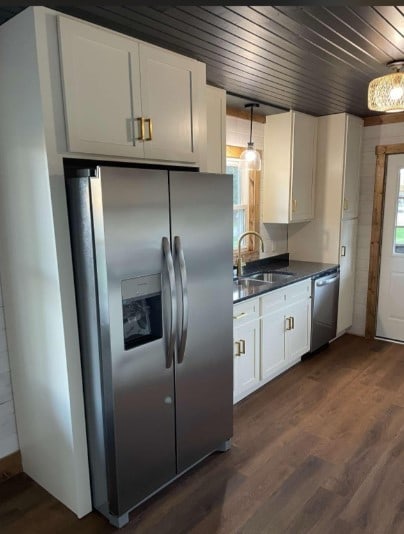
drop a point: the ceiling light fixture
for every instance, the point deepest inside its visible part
(387, 92)
(250, 157)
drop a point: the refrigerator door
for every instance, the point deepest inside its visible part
(136, 288)
(201, 231)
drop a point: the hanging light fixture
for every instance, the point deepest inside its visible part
(251, 158)
(387, 92)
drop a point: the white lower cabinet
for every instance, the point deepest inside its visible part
(246, 348)
(297, 330)
(271, 333)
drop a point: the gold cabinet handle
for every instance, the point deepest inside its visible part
(293, 323)
(345, 204)
(240, 315)
(150, 138)
(343, 250)
(294, 204)
(242, 346)
(238, 352)
(288, 324)
(140, 120)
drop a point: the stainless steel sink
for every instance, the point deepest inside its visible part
(248, 283)
(270, 277)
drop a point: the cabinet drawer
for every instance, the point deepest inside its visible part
(245, 311)
(298, 291)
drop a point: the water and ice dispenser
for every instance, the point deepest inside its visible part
(141, 306)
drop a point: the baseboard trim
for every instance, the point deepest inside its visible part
(10, 466)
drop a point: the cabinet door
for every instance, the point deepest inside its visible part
(353, 137)
(99, 71)
(272, 343)
(246, 359)
(304, 143)
(297, 326)
(347, 274)
(216, 130)
(172, 91)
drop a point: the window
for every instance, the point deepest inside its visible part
(245, 198)
(399, 227)
(240, 198)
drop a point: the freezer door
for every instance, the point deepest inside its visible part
(201, 230)
(134, 268)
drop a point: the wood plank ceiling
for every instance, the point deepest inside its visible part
(314, 59)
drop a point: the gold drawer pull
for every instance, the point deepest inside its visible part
(237, 353)
(240, 315)
(242, 346)
(150, 138)
(141, 123)
(294, 204)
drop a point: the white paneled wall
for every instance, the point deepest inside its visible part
(8, 431)
(372, 136)
(238, 134)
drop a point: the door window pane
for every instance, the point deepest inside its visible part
(399, 230)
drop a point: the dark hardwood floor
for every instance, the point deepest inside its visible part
(318, 450)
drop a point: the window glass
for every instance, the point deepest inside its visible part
(399, 230)
(240, 198)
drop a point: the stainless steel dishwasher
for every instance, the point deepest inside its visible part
(324, 292)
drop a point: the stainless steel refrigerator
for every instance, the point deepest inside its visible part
(152, 257)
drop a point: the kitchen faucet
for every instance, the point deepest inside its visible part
(239, 260)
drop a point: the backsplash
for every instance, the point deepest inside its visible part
(8, 430)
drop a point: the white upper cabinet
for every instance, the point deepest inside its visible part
(290, 141)
(127, 98)
(216, 130)
(351, 167)
(100, 103)
(170, 93)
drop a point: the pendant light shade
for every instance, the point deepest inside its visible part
(387, 92)
(250, 158)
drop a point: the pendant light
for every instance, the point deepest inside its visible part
(251, 158)
(387, 92)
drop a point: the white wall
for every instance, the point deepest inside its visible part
(8, 431)
(238, 134)
(372, 136)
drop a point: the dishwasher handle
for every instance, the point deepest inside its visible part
(327, 281)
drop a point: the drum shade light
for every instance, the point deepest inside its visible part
(387, 92)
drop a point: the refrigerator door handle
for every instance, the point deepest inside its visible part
(169, 264)
(179, 253)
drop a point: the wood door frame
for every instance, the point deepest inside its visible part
(382, 153)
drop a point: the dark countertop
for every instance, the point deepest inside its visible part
(301, 270)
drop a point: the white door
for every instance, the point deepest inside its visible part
(349, 230)
(100, 75)
(170, 93)
(390, 312)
